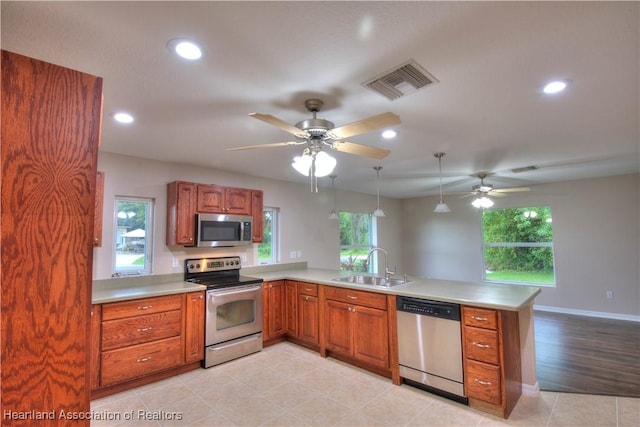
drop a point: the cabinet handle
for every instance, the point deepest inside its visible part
(482, 382)
(144, 359)
(351, 297)
(144, 307)
(352, 309)
(307, 289)
(148, 328)
(477, 344)
(306, 298)
(481, 319)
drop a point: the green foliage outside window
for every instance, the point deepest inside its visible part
(518, 244)
(355, 240)
(265, 249)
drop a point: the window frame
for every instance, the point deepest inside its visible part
(275, 236)
(148, 239)
(517, 244)
(372, 225)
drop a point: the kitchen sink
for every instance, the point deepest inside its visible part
(371, 280)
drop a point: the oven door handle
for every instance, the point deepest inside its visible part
(235, 290)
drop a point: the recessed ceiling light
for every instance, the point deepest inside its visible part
(186, 49)
(123, 117)
(388, 134)
(555, 87)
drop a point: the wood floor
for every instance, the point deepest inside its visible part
(580, 354)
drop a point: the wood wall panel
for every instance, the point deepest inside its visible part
(49, 144)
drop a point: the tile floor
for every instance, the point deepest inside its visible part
(286, 385)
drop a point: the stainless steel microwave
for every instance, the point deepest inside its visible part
(218, 230)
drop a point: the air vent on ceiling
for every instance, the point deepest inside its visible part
(525, 169)
(401, 81)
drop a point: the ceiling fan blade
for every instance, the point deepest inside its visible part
(511, 190)
(274, 121)
(495, 193)
(273, 144)
(360, 149)
(364, 126)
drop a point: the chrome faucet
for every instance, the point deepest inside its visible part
(387, 272)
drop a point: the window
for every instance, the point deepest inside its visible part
(133, 235)
(518, 245)
(356, 239)
(268, 250)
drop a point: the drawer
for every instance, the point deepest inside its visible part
(368, 299)
(140, 329)
(482, 345)
(137, 307)
(139, 360)
(310, 289)
(480, 317)
(483, 382)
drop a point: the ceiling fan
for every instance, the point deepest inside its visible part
(482, 191)
(317, 133)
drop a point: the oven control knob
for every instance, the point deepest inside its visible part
(191, 266)
(197, 265)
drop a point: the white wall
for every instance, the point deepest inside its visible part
(305, 226)
(596, 241)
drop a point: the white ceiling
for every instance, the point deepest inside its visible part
(487, 112)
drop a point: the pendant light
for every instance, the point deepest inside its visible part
(441, 206)
(378, 212)
(333, 214)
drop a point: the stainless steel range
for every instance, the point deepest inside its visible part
(233, 316)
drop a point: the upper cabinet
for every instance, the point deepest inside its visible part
(227, 200)
(185, 199)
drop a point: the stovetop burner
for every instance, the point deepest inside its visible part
(216, 273)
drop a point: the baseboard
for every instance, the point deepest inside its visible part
(531, 390)
(602, 314)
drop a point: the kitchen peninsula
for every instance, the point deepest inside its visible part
(357, 323)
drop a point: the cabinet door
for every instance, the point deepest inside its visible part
(371, 336)
(277, 316)
(181, 208)
(257, 204)
(292, 308)
(237, 201)
(194, 326)
(308, 317)
(338, 327)
(99, 206)
(211, 199)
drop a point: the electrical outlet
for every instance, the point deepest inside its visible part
(174, 262)
(609, 294)
(292, 254)
(299, 254)
(243, 257)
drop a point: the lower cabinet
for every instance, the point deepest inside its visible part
(137, 338)
(274, 320)
(492, 368)
(356, 325)
(308, 314)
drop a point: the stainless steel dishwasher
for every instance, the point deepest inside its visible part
(430, 346)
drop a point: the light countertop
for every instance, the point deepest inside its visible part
(490, 295)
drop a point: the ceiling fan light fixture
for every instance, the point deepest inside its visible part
(482, 202)
(324, 164)
(302, 164)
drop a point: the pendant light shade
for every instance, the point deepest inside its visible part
(378, 212)
(441, 206)
(333, 214)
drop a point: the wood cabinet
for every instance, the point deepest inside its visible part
(491, 348)
(356, 325)
(181, 209)
(99, 207)
(274, 326)
(50, 131)
(308, 314)
(194, 315)
(227, 200)
(257, 206)
(185, 199)
(291, 298)
(136, 339)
